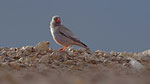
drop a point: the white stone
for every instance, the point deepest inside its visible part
(135, 64)
(146, 52)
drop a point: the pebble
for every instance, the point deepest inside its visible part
(146, 52)
(6, 59)
(135, 64)
(42, 46)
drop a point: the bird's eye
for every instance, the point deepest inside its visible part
(55, 19)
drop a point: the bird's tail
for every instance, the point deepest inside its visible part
(84, 45)
(81, 44)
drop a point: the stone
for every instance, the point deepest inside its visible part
(42, 46)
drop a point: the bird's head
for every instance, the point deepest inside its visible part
(55, 21)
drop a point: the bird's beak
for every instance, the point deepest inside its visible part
(58, 20)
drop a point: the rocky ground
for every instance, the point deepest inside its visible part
(41, 65)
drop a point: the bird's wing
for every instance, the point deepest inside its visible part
(67, 33)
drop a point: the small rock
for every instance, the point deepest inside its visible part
(135, 64)
(3, 53)
(141, 56)
(81, 50)
(44, 59)
(28, 48)
(70, 48)
(114, 53)
(146, 52)
(42, 46)
(6, 59)
(21, 60)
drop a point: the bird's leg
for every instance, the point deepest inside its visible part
(62, 49)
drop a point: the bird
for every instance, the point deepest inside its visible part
(62, 35)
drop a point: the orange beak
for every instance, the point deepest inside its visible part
(58, 20)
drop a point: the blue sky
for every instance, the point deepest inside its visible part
(110, 25)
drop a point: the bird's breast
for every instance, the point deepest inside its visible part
(53, 31)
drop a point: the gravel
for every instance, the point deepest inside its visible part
(40, 64)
